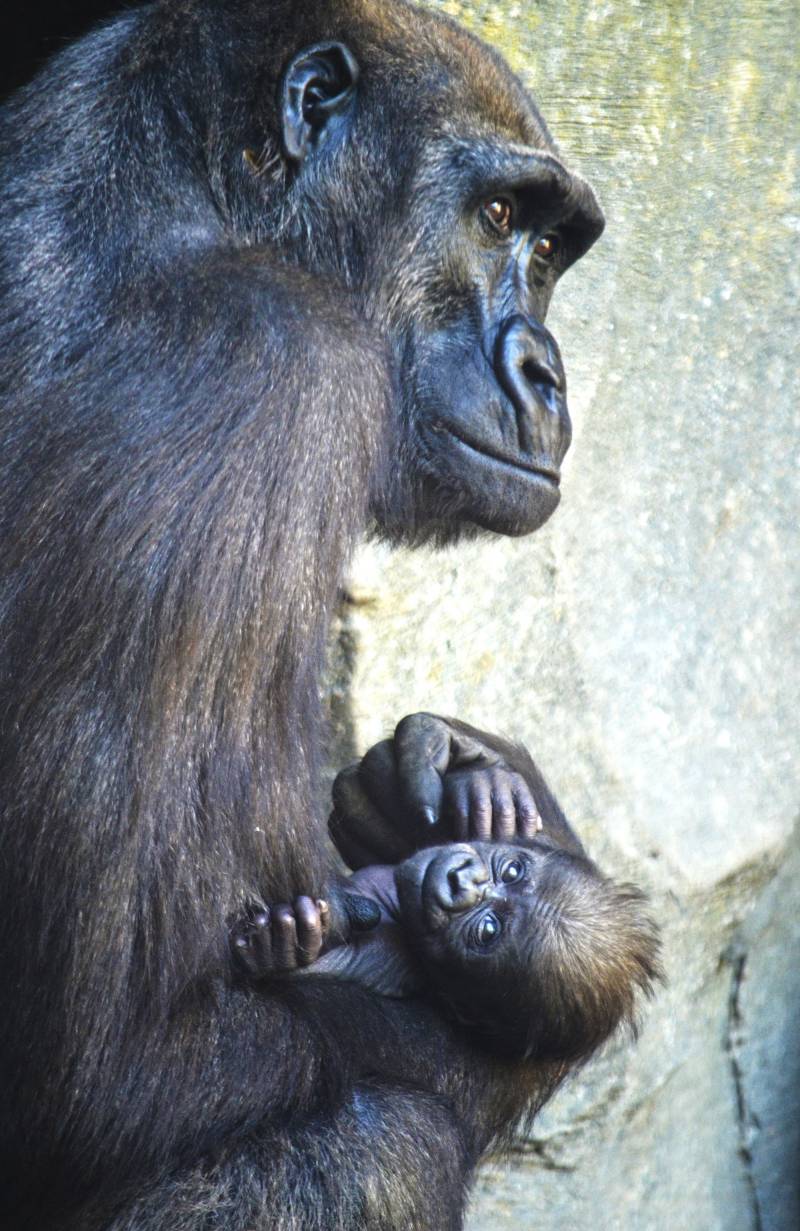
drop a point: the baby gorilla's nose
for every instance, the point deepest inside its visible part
(465, 882)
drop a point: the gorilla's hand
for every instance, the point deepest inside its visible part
(342, 939)
(437, 780)
(273, 940)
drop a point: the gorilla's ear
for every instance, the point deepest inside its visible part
(319, 89)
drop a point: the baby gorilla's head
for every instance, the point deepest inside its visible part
(527, 944)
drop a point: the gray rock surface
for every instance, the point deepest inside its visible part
(645, 644)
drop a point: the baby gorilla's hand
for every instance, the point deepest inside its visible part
(272, 940)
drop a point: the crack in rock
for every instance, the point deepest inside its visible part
(747, 1121)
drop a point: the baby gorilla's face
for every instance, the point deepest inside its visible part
(527, 943)
(477, 904)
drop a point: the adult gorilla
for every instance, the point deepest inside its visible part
(271, 271)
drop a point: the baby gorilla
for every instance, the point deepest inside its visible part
(523, 943)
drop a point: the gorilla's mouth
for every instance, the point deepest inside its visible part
(550, 475)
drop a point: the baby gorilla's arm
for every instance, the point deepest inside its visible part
(342, 940)
(379, 960)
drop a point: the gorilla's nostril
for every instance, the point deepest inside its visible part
(465, 883)
(456, 880)
(530, 373)
(538, 373)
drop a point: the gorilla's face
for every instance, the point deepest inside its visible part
(527, 943)
(444, 205)
(477, 906)
(485, 387)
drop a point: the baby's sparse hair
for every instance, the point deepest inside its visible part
(592, 951)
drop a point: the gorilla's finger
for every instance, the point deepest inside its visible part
(363, 828)
(529, 822)
(480, 808)
(252, 944)
(422, 752)
(284, 938)
(378, 778)
(455, 807)
(504, 819)
(261, 940)
(309, 930)
(352, 852)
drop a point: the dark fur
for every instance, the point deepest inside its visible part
(194, 431)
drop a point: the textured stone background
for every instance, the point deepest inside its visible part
(645, 643)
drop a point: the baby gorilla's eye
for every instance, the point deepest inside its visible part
(547, 246)
(512, 871)
(487, 930)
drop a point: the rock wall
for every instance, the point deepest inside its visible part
(645, 643)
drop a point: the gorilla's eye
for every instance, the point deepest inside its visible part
(547, 246)
(499, 214)
(487, 930)
(512, 871)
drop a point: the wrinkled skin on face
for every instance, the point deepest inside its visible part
(469, 902)
(485, 379)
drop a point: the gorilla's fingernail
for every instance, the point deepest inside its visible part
(429, 816)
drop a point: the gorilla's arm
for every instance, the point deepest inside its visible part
(176, 513)
(438, 780)
(355, 1165)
